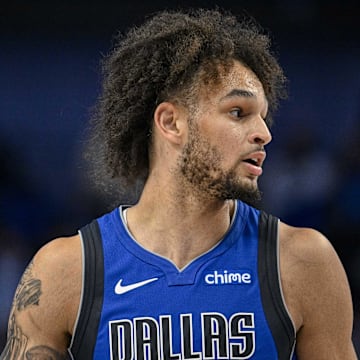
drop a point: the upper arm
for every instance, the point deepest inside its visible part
(45, 303)
(318, 286)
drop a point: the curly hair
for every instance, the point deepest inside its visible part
(161, 60)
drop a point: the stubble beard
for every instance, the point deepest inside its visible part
(200, 168)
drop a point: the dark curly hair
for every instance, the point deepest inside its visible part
(162, 60)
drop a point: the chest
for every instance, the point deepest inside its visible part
(212, 309)
(225, 304)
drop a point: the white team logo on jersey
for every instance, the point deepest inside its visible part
(228, 277)
(122, 289)
(158, 338)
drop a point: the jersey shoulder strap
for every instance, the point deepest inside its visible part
(84, 338)
(274, 306)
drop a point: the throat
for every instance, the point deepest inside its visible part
(181, 242)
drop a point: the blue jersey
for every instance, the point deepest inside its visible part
(225, 304)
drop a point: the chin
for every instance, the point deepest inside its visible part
(245, 191)
(249, 183)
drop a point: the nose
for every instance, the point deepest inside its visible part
(260, 134)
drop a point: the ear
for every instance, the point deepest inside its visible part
(170, 120)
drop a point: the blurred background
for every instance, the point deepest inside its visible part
(49, 80)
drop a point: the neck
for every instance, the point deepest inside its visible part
(177, 226)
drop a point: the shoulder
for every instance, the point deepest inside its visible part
(60, 252)
(304, 254)
(46, 302)
(306, 245)
(309, 261)
(307, 252)
(315, 287)
(58, 268)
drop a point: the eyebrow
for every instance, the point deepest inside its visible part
(239, 92)
(246, 94)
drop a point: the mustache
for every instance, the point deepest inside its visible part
(258, 148)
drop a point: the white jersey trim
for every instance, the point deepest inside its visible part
(281, 289)
(81, 295)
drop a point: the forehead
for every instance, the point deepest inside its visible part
(241, 77)
(229, 78)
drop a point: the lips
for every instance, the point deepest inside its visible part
(254, 161)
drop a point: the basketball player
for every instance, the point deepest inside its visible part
(190, 270)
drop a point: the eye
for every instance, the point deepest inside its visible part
(237, 113)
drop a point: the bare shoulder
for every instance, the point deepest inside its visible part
(305, 246)
(46, 302)
(62, 256)
(59, 265)
(317, 293)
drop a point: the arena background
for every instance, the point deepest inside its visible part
(49, 79)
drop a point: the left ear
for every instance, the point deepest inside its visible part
(170, 120)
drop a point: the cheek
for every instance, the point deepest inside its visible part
(227, 137)
(230, 143)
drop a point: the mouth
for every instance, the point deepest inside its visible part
(256, 158)
(254, 162)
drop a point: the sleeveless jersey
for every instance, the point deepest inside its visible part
(225, 304)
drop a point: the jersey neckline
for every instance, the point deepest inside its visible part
(186, 275)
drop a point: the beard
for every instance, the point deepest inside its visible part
(200, 167)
